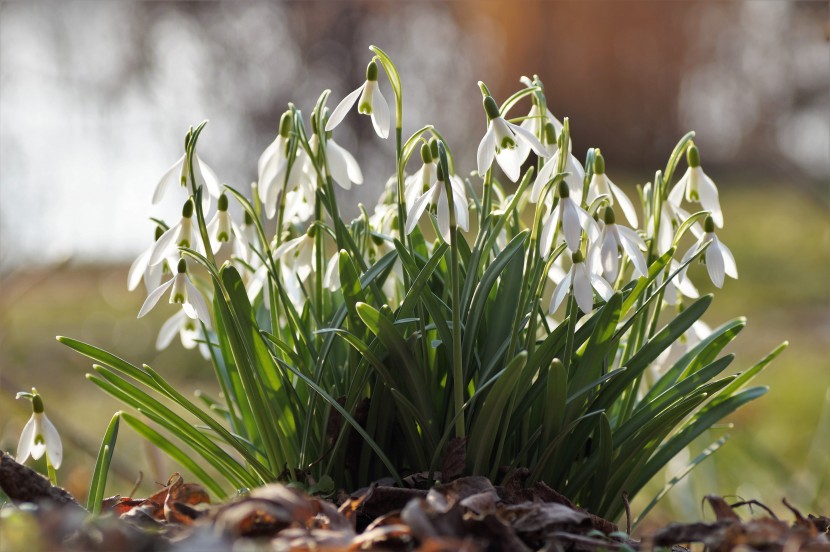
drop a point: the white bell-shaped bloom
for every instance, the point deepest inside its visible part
(574, 179)
(371, 103)
(39, 436)
(179, 173)
(537, 125)
(423, 179)
(437, 196)
(182, 234)
(601, 185)
(184, 293)
(342, 165)
(501, 142)
(188, 330)
(697, 187)
(581, 280)
(141, 269)
(297, 256)
(616, 239)
(718, 258)
(572, 218)
(677, 286)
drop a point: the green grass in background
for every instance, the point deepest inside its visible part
(781, 241)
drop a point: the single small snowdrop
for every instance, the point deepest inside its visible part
(272, 165)
(189, 332)
(718, 258)
(297, 256)
(141, 269)
(184, 293)
(243, 245)
(538, 125)
(572, 218)
(182, 234)
(179, 172)
(697, 187)
(437, 196)
(616, 239)
(581, 280)
(423, 179)
(676, 287)
(39, 435)
(343, 166)
(574, 178)
(602, 185)
(371, 102)
(501, 142)
(221, 229)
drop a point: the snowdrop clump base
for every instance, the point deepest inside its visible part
(440, 323)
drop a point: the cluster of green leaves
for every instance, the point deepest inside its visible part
(354, 385)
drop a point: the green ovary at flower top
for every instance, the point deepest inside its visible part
(407, 333)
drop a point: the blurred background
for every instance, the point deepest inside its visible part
(95, 99)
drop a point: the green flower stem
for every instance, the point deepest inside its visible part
(487, 197)
(53, 476)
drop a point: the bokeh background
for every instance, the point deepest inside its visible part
(95, 99)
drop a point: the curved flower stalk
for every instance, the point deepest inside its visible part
(182, 234)
(572, 218)
(179, 172)
(39, 436)
(581, 280)
(616, 239)
(184, 293)
(718, 258)
(696, 186)
(437, 196)
(501, 142)
(602, 185)
(371, 103)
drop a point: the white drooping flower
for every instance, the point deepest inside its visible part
(188, 330)
(602, 185)
(39, 435)
(574, 178)
(546, 126)
(437, 196)
(182, 234)
(616, 239)
(677, 286)
(423, 179)
(184, 293)
(179, 173)
(342, 166)
(141, 269)
(501, 142)
(296, 256)
(696, 186)
(272, 165)
(581, 280)
(718, 258)
(571, 218)
(371, 102)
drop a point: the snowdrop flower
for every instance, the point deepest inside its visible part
(182, 234)
(371, 102)
(573, 220)
(342, 166)
(616, 239)
(677, 286)
(602, 185)
(437, 196)
(184, 293)
(221, 229)
(272, 165)
(297, 255)
(697, 187)
(547, 127)
(573, 168)
(718, 258)
(141, 268)
(423, 179)
(39, 435)
(180, 172)
(501, 141)
(581, 280)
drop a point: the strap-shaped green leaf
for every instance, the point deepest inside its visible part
(98, 483)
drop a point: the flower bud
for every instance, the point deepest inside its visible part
(222, 204)
(610, 217)
(599, 164)
(433, 147)
(37, 403)
(577, 257)
(693, 156)
(440, 173)
(285, 124)
(550, 133)
(182, 268)
(187, 210)
(426, 154)
(709, 224)
(564, 191)
(372, 71)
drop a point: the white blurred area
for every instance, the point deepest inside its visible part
(95, 98)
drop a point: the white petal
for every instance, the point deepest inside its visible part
(444, 215)
(486, 150)
(559, 293)
(153, 297)
(170, 176)
(332, 279)
(169, 330)
(380, 114)
(729, 265)
(343, 108)
(714, 263)
(288, 247)
(676, 195)
(582, 290)
(54, 447)
(530, 139)
(509, 161)
(625, 204)
(544, 176)
(570, 223)
(195, 298)
(588, 223)
(609, 255)
(417, 210)
(27, 439)
(165, 245)
(344, 169)
(153, 274)
(602, 286)
(708, 193)
(462, 209)
(138, 268)
(548, 232)
(266, 156)
(208, 176)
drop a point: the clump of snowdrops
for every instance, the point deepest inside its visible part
(539, 321)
